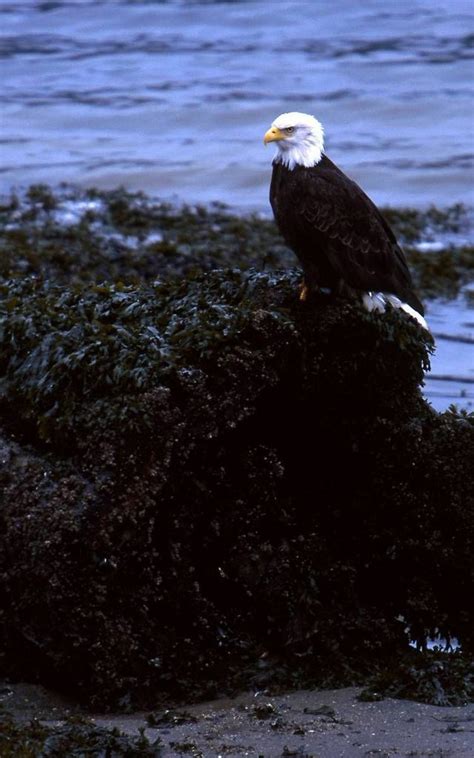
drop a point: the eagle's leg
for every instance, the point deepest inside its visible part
(304, 291)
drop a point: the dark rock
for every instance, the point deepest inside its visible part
(76, 738)
(205, 483)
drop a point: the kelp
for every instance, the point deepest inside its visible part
(76, 738)
(72, 236)
(435, 677)
(207, 484)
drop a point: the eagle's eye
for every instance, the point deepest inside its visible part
(290, 129)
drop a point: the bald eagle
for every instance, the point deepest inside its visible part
(340, 237)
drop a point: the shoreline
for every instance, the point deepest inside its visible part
(305, 723)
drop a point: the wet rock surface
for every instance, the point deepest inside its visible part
(73, 236)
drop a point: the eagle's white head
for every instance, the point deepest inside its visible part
(299, 138)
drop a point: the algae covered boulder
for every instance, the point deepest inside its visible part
(206, 483)
(76, 738)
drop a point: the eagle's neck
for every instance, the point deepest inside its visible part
(306, 152)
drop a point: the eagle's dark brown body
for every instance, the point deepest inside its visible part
(340, 237)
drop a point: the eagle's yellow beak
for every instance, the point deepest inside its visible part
(273, 135)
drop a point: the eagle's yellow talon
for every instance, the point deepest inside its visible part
(304, 292)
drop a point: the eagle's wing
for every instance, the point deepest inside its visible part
(361, 245)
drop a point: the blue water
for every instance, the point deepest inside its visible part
(174, 98)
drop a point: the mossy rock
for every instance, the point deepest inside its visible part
(435, 677)
(206, 483)
(119, 236)
(77, 738)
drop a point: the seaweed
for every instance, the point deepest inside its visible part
(442, 273)
(77, 738)
(411, 224)
(90, 236)
(434, 677)
(206, 484)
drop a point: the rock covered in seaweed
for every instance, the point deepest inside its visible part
(200, 472)
(76, 738)
(77, 236)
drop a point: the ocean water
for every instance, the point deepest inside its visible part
(174, 98)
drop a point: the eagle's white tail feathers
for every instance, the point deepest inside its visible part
(376, 301)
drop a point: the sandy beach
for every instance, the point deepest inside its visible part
(304, 723)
